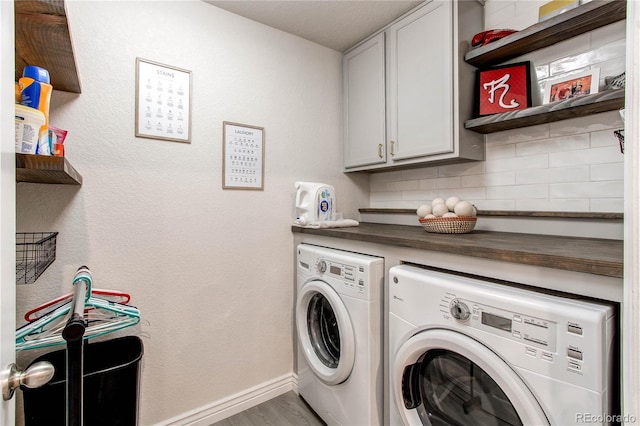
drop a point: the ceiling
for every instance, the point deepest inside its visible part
(334, 24)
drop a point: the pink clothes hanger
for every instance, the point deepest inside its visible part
(111, 296)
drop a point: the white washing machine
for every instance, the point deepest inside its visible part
(465, 351)
(338, 319)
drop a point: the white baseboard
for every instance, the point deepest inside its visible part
(234, 404)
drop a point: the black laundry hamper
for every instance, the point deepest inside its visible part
(111, 386)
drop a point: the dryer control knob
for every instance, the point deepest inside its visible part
(322, 266)
(459, 310)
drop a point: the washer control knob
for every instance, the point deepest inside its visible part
(322, 266)
(459, 310)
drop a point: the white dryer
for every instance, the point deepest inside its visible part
(338, 319)
(465, 351)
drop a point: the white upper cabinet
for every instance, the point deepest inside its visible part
(420, 85)
(428, 87)
(364, 104)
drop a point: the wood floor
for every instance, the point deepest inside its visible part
(286, 410)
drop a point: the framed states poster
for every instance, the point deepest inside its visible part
(242, 156)
(163, 102)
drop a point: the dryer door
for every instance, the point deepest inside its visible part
(442, 377)
(325, 332)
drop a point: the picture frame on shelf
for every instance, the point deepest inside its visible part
(503, 88)
(570, 86)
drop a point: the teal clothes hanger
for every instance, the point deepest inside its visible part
(101, 317)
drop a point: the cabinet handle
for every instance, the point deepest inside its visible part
(392, 151)
(380, 150)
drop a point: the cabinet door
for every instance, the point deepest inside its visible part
(364, 104)
(420, 83)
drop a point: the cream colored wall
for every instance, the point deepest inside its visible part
(210, 269)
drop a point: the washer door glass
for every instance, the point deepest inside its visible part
(325, 332)
(452, 390)
(443, 377)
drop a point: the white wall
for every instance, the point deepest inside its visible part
(210, 269)
(570, 165)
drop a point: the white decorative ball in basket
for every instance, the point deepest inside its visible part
(449, 225)
(450, 216)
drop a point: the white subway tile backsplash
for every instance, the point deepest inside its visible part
(518, 192)
(607, 205)
(377, 186)
(420, 196)
(495, 151)
(604, 138)
(527, 13)
(530, 176)
(589, 59)
(519, 135)
(469, 194)
(494, 8)
(385, 196)
(603, 155)
(601, 172)
(393, 205)
(610, 33)
(588, 124)
(557, 51)
(417, 174)
(556, 205)
(499, 14)
(518, 163)
(408, 204)
(569, 165)
(386, 177)
(448, 182)
(565, 143)
(579, 173)
(586, 190)
(542, 71)
(567, 66)
(564, 174)
(462, 169)
(491, 179)
(406, 185)
(564, 159)
(495, 204)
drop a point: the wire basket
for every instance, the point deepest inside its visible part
(620, 135)
(35, 251)
(448, 225)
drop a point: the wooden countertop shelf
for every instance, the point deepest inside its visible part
(46, 169)
(43, 39)
(609, 100)
(587, 255)
(569, 24)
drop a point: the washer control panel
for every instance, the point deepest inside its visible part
(353, 275)
(529, 330)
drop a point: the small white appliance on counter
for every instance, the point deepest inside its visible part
(339, 328)
(315, 202)
(468, 351)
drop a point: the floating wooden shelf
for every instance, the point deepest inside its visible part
(571, 23)
(609, 100)
(43, 39)
(46, 169)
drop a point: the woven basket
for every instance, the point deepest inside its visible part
(448, 225)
